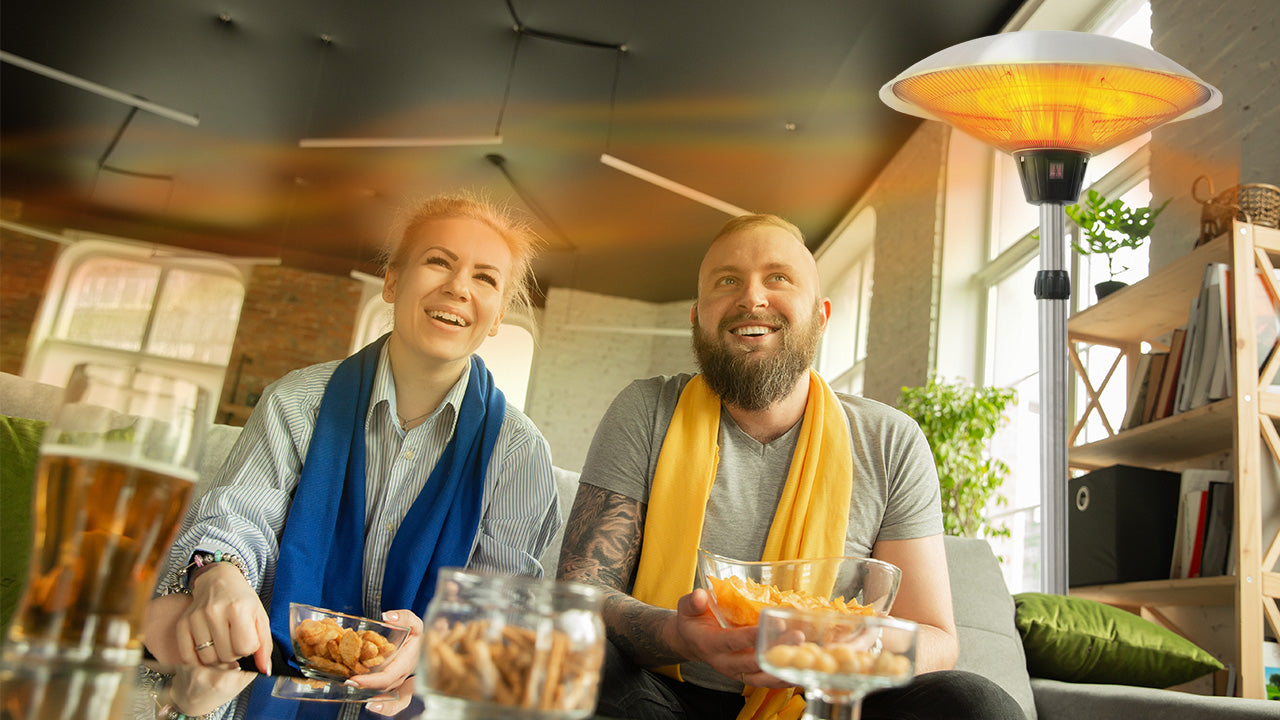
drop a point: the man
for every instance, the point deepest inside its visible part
(712, 460)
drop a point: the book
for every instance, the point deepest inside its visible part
(1186, 375)
(1169, 382)
(1209, 348)
(1191, 480)
(1155, 376)
(1223, 364)
(1137, 393)
(1219, 514)
(1197, 505)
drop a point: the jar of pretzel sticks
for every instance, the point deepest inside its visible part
(505, 641)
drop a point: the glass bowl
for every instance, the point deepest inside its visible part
(836, 657)
(740, 589)
(330, 645)
(501, 645)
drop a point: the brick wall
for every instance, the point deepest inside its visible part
(25, 265)
(905, 197)
(290, 319)
(1232, 46)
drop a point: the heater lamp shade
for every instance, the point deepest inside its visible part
(1034, 90)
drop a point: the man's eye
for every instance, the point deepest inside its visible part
(727, 281)
(778, 277)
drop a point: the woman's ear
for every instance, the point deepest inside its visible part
(389, 287)
(497, 323)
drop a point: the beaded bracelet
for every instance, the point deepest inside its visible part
(180, 582)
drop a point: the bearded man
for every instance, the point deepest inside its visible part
(704, 460)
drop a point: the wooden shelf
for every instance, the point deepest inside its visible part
(1164, 443)
(1228, 429)
(1190, 591)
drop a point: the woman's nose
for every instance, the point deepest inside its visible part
(456, 286)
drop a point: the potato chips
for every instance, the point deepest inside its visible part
(740, 600)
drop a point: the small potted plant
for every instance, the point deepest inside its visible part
(1106, 226)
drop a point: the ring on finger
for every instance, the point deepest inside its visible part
(202, 646)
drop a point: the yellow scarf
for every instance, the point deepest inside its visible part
(810, 520)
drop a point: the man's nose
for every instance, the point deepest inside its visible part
(753, 295)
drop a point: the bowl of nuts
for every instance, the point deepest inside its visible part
(496, 645)
(330, 645)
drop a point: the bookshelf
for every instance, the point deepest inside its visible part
(1230, 433)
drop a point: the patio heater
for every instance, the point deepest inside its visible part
(1052, 99)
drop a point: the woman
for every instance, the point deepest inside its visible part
(354, 482)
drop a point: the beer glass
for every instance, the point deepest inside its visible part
(116, 471)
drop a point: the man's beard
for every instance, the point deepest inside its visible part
(754, 380)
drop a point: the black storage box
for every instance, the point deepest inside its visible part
(1120, 525)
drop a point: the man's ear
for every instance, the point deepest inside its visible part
(693, 314)
(824, 311)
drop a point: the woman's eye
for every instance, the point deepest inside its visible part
(437, 260)
(489, 279)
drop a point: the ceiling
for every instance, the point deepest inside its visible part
(768, 105)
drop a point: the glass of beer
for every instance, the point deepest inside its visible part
(116, 471)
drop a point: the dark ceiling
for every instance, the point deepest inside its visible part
(765, 104)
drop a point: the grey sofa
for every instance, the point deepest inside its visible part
(984, 610)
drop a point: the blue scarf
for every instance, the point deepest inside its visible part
(322, 547)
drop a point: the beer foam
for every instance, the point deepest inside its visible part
(140, 463)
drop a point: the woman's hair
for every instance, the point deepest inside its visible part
(515, 231)
(746, 222)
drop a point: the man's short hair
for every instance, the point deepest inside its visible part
(746, 222)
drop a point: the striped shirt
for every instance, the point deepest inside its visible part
(244, 510)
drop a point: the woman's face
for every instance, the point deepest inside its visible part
(449, 292)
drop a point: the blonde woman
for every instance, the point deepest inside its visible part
(355, 481)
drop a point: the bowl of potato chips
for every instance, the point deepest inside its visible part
(500, 645)
(330, 645)
(740, 589)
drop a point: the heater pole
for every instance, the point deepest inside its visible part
(1053, 290)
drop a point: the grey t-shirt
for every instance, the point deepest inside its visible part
(895, 492)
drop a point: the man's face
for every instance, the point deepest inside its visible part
(758, 319)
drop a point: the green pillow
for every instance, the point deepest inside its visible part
(19, 449)
(1085, 641)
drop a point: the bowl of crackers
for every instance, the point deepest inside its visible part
(499, 645)
(330, 645)
(740, 589)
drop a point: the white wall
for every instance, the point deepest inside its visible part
(590, 347)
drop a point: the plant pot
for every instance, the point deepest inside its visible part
(1106, 287)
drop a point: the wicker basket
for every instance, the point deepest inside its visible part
(1256, 203)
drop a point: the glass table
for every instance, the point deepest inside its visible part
(143, 693)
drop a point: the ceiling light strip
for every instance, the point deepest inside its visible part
(673, 186)
(399, 142)
(101, 90)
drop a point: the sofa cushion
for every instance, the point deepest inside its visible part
(989, 641)
(19, 449)
(1080, 640)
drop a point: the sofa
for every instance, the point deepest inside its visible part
(990, 642)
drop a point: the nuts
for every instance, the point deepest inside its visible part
(334, 650)
(839, 658)
(511, 665)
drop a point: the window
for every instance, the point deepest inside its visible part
(508, 355)
(1012, 317)
(115, 302)
(846, 267)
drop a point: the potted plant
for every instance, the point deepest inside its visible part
(959, 421)
(1106, 226)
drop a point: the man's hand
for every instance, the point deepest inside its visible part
(225, 622)
(730, 651)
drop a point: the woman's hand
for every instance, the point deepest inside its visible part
(225, 622)
(392, 701)
(197, 691)
(404, 662)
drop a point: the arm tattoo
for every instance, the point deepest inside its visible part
(602, 548)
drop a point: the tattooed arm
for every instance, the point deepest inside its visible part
(602, 548)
